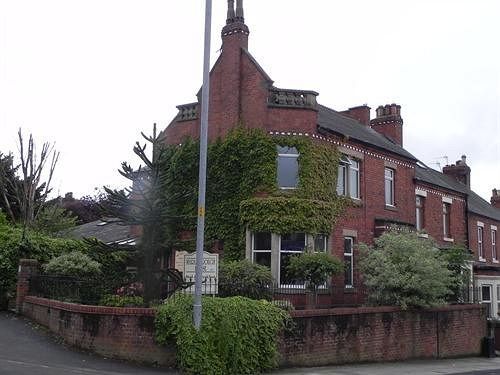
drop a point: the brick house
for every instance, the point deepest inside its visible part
(386, 184)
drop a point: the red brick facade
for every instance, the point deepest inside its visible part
(242, 93)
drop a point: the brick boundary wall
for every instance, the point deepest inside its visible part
(318, 337)
(113, 332)
(372, 334)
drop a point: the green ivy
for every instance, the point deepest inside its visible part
(243, 166)
(237, 335)
(287, 215)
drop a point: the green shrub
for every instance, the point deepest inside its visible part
(314, 268)
(244, 278)
(237, 335)
(35, 246)
(113, 300)
(405, 270)
(76, 264)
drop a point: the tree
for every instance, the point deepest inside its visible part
(314, 268)
(54, 220)
(144, 205)
(8, 186)
(406, 270)
(32, 191)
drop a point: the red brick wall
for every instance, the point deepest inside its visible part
(124, 333)
(473, 240)
(433, 215)
(318, 337)
(325, 337)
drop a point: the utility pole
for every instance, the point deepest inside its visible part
(200, 228)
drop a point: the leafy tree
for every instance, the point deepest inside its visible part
(405, 270)
(88, 208)
(314, 268)
(8, 185)
(54, 220)
(246, 279)
(144, 205)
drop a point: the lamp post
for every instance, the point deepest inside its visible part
(200, 228)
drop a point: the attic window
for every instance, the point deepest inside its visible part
(288, 167)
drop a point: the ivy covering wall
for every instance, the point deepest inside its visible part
(242, 188)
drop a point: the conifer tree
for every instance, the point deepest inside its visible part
(144, 205)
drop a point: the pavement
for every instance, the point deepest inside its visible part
(26, 348)
(473, 365)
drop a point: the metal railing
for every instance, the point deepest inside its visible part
(90, 291)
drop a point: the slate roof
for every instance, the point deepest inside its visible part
(475, 204)
(348, 127)
(107, 232)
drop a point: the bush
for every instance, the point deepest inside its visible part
(237, 335)
(405, 270)
(76, 264)
(244, 278)
(121, 301)
(36, 246)
(314, 268)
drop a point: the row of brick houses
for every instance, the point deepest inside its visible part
(387, 184)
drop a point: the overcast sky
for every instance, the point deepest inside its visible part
(90, 75)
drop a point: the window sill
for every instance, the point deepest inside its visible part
(482, 260)
(390, 207)
(448, 239)
(357, 202)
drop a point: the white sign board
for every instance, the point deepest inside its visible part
(210, 272)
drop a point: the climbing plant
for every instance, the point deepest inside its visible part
(242, 189)
(238, 335)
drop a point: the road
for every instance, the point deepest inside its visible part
(24, 349)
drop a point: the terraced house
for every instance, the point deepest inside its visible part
(288, 207)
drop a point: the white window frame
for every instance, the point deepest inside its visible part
(419, 213)
(349, 167)
(446, 220)
(351, 256)
(325, 239)
(295, 156)
(296, 286)
(489, 301)
(494, 250)
(254, 251)
(390, 179)
(480, 243)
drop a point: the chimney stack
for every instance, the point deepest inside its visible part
(460, 171)
(360, 113)
(235, 33)
(389, 123)
(495, 198)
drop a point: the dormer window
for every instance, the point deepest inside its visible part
(288, 167)
(348, 177)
